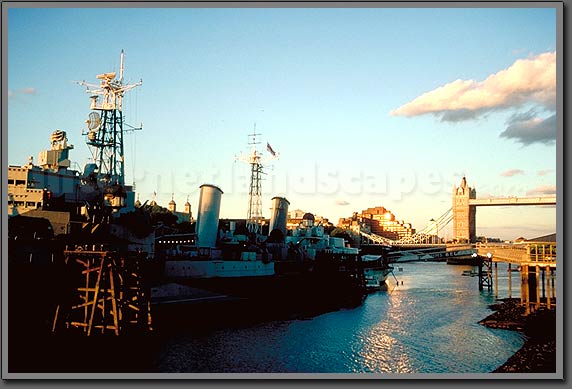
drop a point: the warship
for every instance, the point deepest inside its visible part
(265, 266)
(93, 262)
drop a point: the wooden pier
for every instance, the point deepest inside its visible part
(536, 262)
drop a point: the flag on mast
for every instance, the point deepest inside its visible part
(270, 150)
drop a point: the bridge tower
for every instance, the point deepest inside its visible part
(464, 226)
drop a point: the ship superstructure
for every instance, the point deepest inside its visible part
(37, 186)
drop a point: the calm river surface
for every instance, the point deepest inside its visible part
(427, 325)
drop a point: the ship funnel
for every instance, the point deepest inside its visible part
(279, 215)
(208, 215)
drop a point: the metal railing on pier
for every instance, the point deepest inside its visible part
(533, 252)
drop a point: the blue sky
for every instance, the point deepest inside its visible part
(366, 107)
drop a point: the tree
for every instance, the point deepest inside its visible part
(341, 233)
(159, 214)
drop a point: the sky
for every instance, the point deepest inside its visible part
(366, 107)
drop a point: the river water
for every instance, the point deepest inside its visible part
(426, 324)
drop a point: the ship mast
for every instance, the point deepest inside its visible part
(254, 216)
(105, 130)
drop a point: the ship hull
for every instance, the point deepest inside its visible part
(296, 289)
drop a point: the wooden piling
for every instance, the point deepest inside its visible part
(496, 283)
(537, 286)
(543, 281)
(522, 300)
(485, 279)
(552, 280)
(480, 275)
(509, 281)
(549, 287)
(525, 289)
(111, 297)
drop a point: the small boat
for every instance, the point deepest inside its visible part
(470, 273)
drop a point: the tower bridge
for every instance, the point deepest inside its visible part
(462, 214)
(536, 260)
(465, 205)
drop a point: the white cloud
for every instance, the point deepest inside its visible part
(23, 91)
(545, 172)
(512, 172)
(542, 191)
(530, 80)
(28, 91)
(342, 202)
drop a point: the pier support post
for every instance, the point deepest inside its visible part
(548, 289)
(552, 280)
(509, 281)
(543, 281)
(485, 279)
(496, 283)
(522, 284)
(481, 275)
(537, 286)
(525, 289)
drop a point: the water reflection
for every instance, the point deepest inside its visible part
(427, 325)
(381, 353)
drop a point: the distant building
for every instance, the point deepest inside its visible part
(297, 217)
(379, 221)
(187, 209)
(185, 216)
(172, 207)
(153, 202)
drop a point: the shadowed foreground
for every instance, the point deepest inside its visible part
(538, 354)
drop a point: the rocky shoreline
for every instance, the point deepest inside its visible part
(538, 354)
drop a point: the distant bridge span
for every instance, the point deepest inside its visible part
(513, 201)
